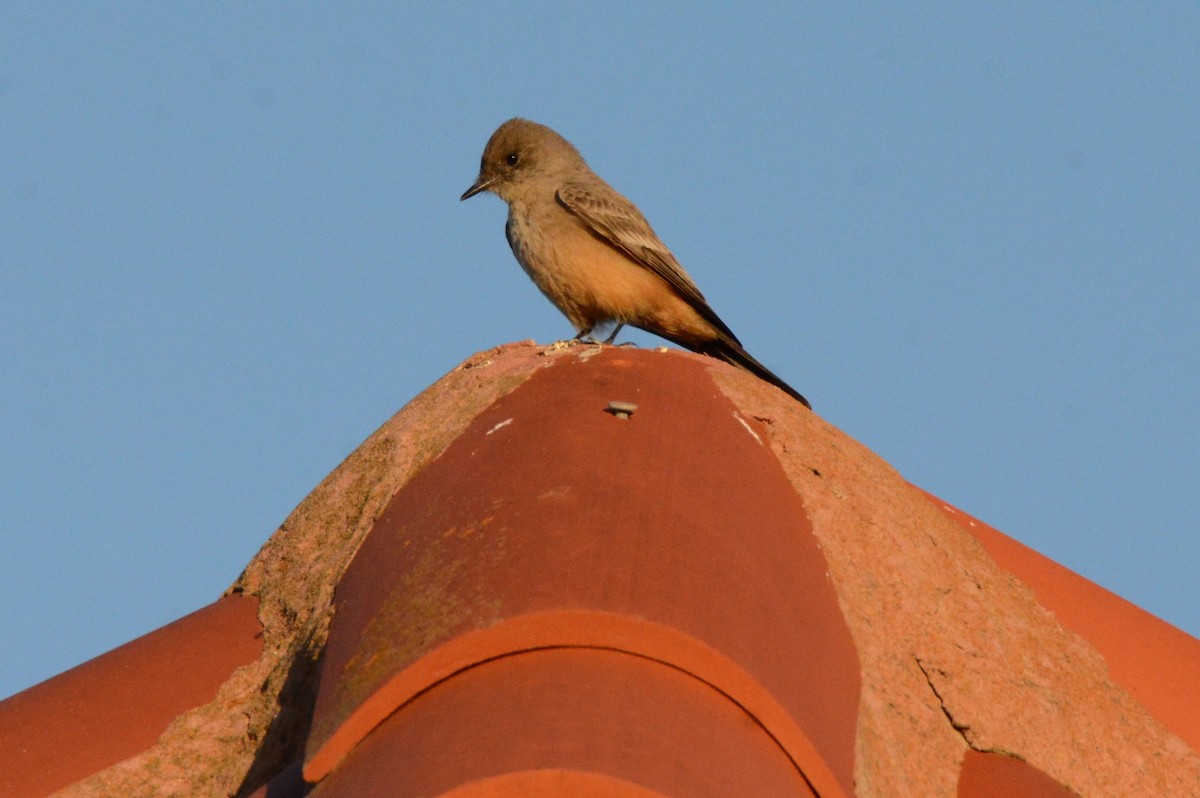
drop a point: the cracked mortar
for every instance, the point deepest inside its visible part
(995, 671)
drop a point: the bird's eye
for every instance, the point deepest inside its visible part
(511, 159)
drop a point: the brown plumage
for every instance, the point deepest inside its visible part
(592, 253)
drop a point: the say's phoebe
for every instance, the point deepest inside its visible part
(592, 253)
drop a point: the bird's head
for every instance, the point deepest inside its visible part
(519, 152)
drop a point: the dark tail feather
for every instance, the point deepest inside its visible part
(732, 352)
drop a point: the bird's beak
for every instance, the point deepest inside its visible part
(479, 185)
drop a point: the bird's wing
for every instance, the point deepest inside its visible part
(617, 221)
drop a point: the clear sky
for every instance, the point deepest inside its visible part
(231, 247)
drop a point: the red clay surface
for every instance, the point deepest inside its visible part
(601, 712)
(1156, 662)
(995, 776)
(551, 784)
(547, 503)
(580, 629)
(116, 705)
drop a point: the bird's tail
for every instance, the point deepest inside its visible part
(732, 352)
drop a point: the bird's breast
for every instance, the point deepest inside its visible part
(587, 279)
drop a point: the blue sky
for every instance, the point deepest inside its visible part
(231, 247)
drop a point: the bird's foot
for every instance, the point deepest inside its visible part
(569, 343)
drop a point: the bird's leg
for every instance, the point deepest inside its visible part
(584, 336)
(613, 335)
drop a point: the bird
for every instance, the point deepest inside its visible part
(592, 253)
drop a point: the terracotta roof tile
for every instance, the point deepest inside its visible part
(585, 710)
(986, 775)
(111, 707)
(548, 505)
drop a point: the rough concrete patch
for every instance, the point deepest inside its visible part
(955, 651)
(258, 722)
